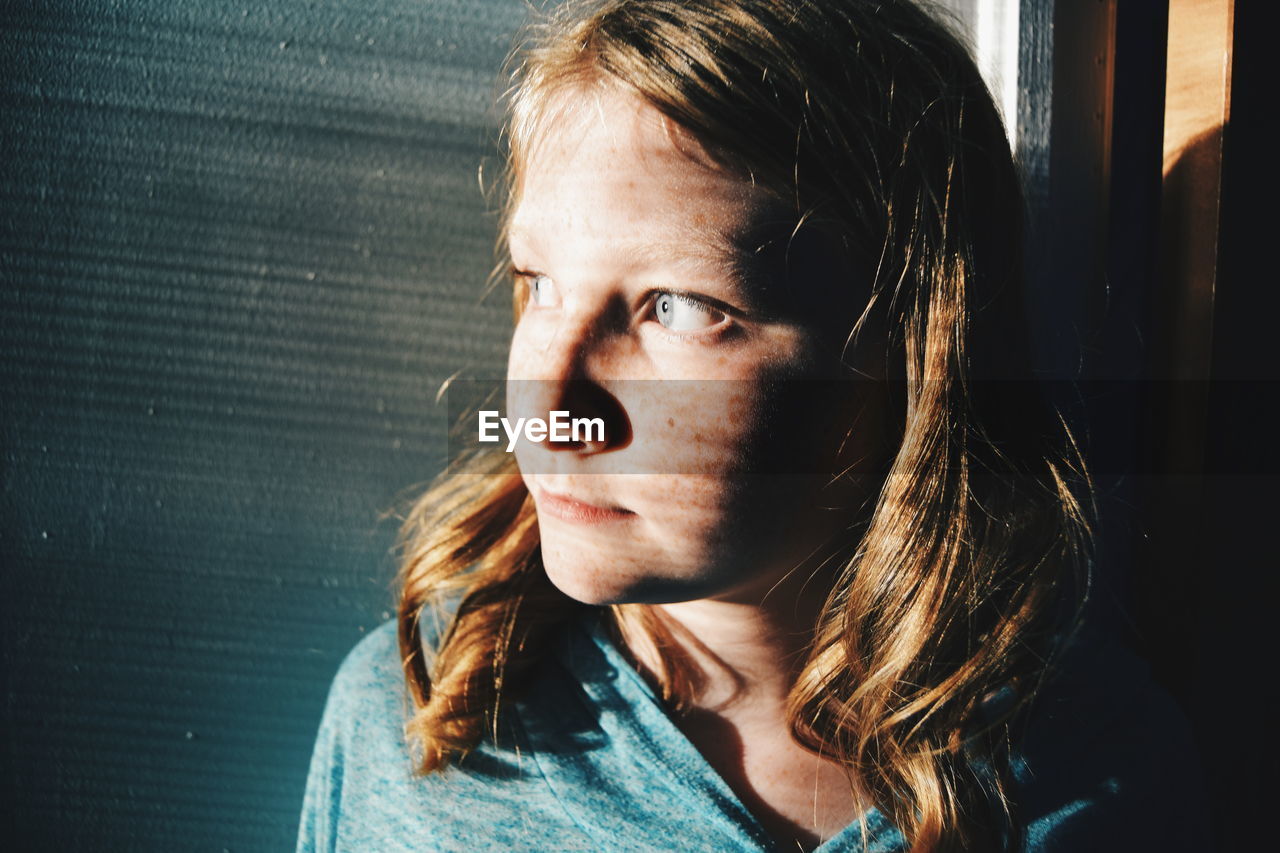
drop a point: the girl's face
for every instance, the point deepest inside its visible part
(652, 305)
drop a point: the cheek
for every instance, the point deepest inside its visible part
(528, 343)
(729, 529)
(697, 427)
(733, 428)
(723, 477)
(694, 537)
(706, 523)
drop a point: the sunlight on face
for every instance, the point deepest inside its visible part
(643, 310)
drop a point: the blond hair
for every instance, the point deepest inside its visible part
(869, 121)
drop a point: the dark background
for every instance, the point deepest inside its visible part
(243, 245)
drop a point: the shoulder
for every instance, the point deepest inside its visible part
(369, 697)
(370, 677)
(359, 731)
(1108, 762)
(363, 791)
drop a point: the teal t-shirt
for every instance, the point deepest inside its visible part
(589, 760)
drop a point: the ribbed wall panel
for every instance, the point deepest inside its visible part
(241, 246)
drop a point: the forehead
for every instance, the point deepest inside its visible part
(606, 164)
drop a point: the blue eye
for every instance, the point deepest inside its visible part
(542, 290)
(681, 313)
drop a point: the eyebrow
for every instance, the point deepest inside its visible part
(741, 256)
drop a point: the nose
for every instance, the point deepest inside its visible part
(562, 371)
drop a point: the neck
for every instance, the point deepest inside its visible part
(746, 652)
(746, 649)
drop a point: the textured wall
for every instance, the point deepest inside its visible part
(242, 244)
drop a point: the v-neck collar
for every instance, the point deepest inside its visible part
(629, 776)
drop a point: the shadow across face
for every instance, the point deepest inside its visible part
(696, 345)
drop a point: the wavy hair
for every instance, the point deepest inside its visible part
(869, 122)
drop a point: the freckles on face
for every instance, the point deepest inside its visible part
(639, 314)
(691, 537)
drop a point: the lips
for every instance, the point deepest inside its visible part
(567, 508)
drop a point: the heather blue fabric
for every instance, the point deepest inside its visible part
(590, 761)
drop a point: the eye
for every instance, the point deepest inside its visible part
(681, 313)
(542, 290)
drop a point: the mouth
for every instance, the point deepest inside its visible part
(568, 508)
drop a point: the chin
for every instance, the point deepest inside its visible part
(602, 579)
(591, 583)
